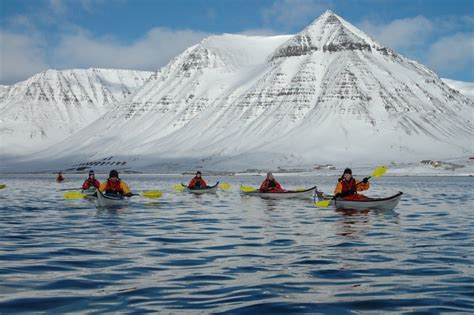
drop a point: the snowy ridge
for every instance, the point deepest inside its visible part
(466, 88)
(54, 104)
(329, 94)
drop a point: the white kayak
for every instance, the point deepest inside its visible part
(202, 190)
(111, 201)
(387, 203)
(306, 193)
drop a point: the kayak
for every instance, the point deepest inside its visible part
(387, 203)
(90, 193)
(110, 201)
(202, 190)
(282, 194)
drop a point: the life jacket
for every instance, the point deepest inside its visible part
(113, 187)
(92, 183)
(349, 187)
(198, 182)
(271, 183)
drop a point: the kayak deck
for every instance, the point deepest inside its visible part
(108, 201)
(282, 194)
(387, 203)
(202, 190)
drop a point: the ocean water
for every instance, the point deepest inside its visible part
(226, 253)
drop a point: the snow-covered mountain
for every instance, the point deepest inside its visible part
(466, 88)
(54, 104)
(327, 94)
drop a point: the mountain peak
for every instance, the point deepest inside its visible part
(328, 33)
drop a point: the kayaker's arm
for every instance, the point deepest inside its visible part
(125, 189)
(103, 186)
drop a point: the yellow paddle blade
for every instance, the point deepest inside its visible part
(152, 194)
(74, 195)
(247, 188)
(379, 171)
(3, 186)
(179, 187)
(323, 203)
(225, 186)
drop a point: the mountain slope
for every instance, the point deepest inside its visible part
(466, 88)
(327, 94)
(54, 104)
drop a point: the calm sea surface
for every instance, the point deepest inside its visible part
(232, 254)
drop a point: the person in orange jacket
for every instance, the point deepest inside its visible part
(90, 181)
(347, 187)
(197, 181)
(114, 185)
(270, 184)
(60, 177)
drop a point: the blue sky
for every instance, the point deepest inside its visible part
(143, 34)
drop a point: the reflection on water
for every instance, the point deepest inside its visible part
(226, 253)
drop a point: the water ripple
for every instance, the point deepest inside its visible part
(225, 254)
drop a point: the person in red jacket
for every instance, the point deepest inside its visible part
(347, 187)
(197, 181)
(91, 181)
(114, 185)
(270, 184)
(60, 177)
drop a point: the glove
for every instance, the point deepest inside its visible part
(339, 195)
(365, 180)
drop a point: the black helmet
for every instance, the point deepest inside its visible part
(198, 172)
(91, 172)
(113, 173)
(347, 171)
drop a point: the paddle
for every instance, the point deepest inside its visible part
(152, 194)
(245, 188)
(225, 186)
(72, 188)
(3, 186)
(378, 172)
(179, 187)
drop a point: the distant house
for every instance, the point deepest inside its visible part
(431, 163)
(326, 166)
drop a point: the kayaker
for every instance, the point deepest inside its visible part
(91, 181)
(114, 185)
(270, 184)
(348, 186)
(197, 181)
(60, 177)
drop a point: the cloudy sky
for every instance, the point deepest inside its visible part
(143, 34)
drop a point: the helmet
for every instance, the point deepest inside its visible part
(347, 171)
(198, 172)
(91, 172)
(113, 173)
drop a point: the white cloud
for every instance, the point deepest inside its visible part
(150, 52)
(452, 53)
(20, 57)
(400, 33)
(294, 13)
(260, 32)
